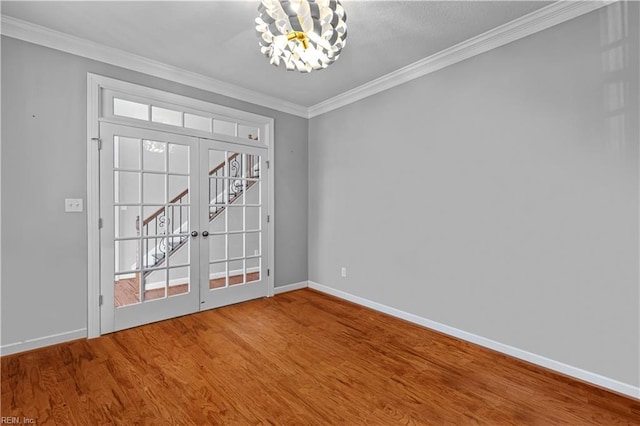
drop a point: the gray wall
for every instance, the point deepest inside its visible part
(498, 196)
(44, 250)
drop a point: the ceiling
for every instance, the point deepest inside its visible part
(217, 39)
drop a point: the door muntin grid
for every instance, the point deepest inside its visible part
(152, 208)
(235, 219)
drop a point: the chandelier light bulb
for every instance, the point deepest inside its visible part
(304, 35)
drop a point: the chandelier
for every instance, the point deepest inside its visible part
(305, 35)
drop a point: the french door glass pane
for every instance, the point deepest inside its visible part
(179, 217)
(154, 156)
(253, 269)
(155, 285)
(236, 169)
(126, 252)
(180, 251)
(236, 188)
(153, 188)
(235, 216)
(127, 187)
(217, 191)
(217, 163)
(127, 221)
(127, 153)
(152, 223)
(127, 290)
(178, 159)
(217, 248)
(217, 275)
(252, 218)
(152, 244)
(178, 189)
(253, 197)
(236, 272)
(252, 244)
(236, 245)
(178, 281)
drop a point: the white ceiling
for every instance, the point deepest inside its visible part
(217, 38)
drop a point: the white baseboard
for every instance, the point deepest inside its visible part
(157, 285)
(216, 275)
(40, 342)
(126, 277)
(290, 287)
(578, 373)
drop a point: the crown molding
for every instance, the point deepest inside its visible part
(546, 17)
(32, 33)
(539, 20)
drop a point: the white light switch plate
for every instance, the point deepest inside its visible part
(73, 205)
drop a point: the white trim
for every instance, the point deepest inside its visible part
(126, 276)
(1, 197)
(93, 208)
(271, 204)
(541, 19)
(53, 39)
(41, 342)
(291, 287)
(575, 372)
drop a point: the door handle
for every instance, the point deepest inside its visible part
(194, 233)
(205, 233)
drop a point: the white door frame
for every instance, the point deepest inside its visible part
(96, 112)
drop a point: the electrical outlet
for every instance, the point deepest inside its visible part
(73, 205)
(343, 272)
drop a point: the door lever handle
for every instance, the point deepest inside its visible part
(194, 233)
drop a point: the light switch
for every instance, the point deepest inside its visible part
(73, 205)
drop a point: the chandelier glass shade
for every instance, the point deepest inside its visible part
(305, 35)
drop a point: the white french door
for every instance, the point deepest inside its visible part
(233, 244)
(182, 225)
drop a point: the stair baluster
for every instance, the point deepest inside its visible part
(161, 221)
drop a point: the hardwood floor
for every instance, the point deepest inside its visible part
(300, 358)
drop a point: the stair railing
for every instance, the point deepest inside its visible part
(157, 249)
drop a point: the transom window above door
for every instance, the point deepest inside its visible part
(184, 119)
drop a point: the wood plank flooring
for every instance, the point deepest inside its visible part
(300, 358)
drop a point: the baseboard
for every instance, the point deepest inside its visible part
(172, 283)
(40, 342)
(578, 373)
(290, 287)
(126, 277)
(180, 281)
(217, 275)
